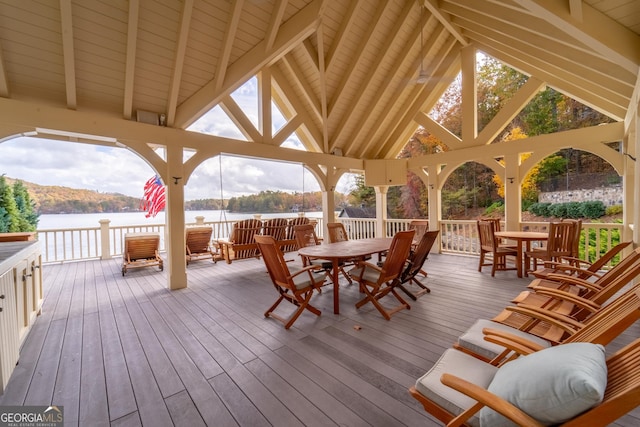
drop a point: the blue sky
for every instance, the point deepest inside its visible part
(117, 170)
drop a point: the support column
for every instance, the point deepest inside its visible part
(381, 209)
(174, 238)
(328, 207)
(631, 181)
(434, 194)
(512, 192)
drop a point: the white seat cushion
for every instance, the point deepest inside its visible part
(474, 341)
(461, 365)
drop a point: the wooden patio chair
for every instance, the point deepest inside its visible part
(306, 236)
(241, 244)
(601, 327)
(559, 244)
(489, 247)
(198, 244)
(141, 250)
(417, 258)
(376, 282)
(276, 227)
(421, 226)
(568, 385)
(580, 268)
(289, 244)
(296, 288)
(337, 233)
(579, 297)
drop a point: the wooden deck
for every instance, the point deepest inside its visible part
(126, 351)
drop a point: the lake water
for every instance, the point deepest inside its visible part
(47, 222)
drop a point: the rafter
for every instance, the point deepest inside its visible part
(366, 85)
(66, 22)
(227, 44)
(130, 65)
(264, 105)
(349, 20)
(4, 83)
(324, 108)
(303, 85)
(178, 63)
(283, 133)
(437, 130)
(291, 33)
(445, 20)
(275, 22)
(596, 30)
(348, 75)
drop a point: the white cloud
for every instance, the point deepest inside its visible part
(118, 170)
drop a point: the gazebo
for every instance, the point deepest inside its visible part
(353, 79)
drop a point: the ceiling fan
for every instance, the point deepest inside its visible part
(423, 76)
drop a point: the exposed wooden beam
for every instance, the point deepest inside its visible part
(366, 85)
(178, 63)
(303, 85)
(575, 8)
(509, 111)
(445, 20)
(130, 64)
(356, 60)
(275, 22)
(244, 124)
(4, 82)
(283, 133)
(264, 105)
(437, 130)
(66, 22)
(469, 92)
(601, 33)
(227, 44)
(634, 105)
(291, 33)
(348, 21)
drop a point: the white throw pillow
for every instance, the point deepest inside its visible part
(552, 385)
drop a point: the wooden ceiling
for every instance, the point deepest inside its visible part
(343, 72)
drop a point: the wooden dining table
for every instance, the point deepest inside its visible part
(523, 238)
(344, 251)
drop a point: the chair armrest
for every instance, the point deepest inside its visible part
(485, 398)
(308, 268)
(567, 296)
(572, 280)
(513, 342)
(563, 322)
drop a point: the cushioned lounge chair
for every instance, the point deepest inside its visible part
(568, 385)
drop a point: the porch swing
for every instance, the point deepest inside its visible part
(240, 244)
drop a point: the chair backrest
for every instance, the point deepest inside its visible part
(419, 255)
(611, 320)
(622, 393)
(577, 231)
(421, 226)
(243, 231)
(141, 245)
(561, 239)
(486, 234)
(497, 222)
(605, 259)
(276, 227)
(197, 239)
(291, 235)
(306, 235)
(274, 261)
(336, 232)
(396, 256)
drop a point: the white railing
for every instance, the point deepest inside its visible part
(457, 237)
(106, 241)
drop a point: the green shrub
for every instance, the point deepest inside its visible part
(574, 210)
(613, 210)
(540, 209)
(593, 209)
(559, 210)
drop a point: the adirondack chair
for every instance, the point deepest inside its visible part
(289, 244)
(141, 250)
(241, 244)
(198, 244)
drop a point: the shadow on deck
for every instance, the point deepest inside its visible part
(122, 351)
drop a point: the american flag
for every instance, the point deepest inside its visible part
(153, 200)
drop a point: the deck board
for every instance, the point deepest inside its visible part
(125, 351)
